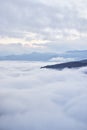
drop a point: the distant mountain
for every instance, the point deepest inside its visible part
(74, 64)
(77, 54)
(37, 56)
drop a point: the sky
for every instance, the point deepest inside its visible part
(39, 99)
(43, 25)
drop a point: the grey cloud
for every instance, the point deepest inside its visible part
(35, 16)
(47, 19)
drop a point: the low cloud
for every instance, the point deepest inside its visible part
(41, 99)
(61, 59)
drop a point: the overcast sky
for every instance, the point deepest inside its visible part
(43, 25)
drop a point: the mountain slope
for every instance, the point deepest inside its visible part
(74, 64)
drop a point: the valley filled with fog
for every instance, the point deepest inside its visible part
(42, 99)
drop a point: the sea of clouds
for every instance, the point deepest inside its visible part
(41, 99)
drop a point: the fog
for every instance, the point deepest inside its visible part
(41, 99)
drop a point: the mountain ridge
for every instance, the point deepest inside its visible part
(70, 65)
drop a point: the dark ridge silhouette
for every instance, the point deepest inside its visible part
(74, 64)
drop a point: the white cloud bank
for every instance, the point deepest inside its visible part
(40, 99)
(61, 59)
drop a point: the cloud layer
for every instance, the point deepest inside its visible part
(40, 99)
(45, 24)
